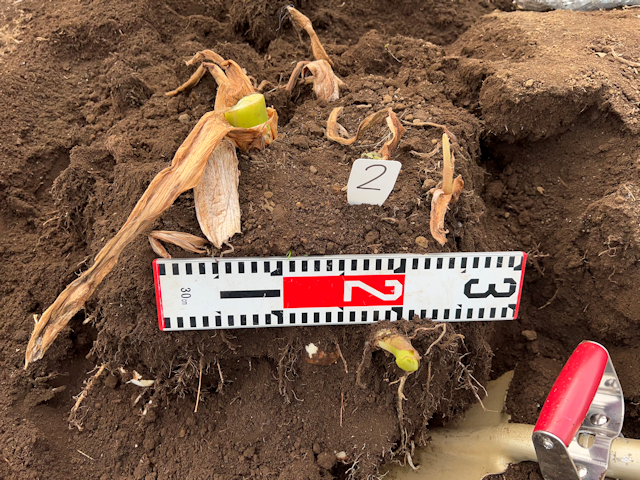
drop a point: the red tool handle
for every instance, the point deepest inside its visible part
(572, 393)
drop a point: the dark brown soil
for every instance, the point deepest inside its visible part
(547, 119)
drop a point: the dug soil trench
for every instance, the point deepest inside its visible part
(544, 107)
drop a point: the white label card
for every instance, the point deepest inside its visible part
(371, 181)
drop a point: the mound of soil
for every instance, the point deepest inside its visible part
(544, 108)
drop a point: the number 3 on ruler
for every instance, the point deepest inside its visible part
(371, 181)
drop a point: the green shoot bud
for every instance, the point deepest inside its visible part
(407, 358)
(250, 111)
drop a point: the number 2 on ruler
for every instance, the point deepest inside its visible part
(371, 181)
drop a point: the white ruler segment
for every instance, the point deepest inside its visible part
(222, 293)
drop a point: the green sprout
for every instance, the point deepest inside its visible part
(407, 357)
(248, 112)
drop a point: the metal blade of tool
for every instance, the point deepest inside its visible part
(484, 443)
(215, 293)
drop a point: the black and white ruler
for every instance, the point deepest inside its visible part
(221, 293)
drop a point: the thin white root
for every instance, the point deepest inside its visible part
(344, 362)
(195, 410)
(74, 422)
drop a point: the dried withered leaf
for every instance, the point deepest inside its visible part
(318, 50)
(397, 131)
(186, 241)
(326, 85)
(184, 173)
(216, 196)
(233, 83)
(439, 206)
(334, 129)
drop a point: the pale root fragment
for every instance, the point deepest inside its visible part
(319, 52)
(439, 206)
(335, 131)
(186, 241)
(326, 85)
(216, 196)
(185, 173)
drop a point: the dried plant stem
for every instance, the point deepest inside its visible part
(447, 167)
(303, 21)
(335, 130)
(85, 391)
(183, 174)
(186, 241)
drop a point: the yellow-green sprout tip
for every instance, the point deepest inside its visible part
(250, 111)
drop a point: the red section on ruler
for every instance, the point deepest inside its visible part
(343, 291)
(524, 266)
(156, 279)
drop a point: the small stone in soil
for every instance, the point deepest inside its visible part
(422, 242)
(313, 169)
(111, 381)
(249, 452)
(268, 194)
(326, 460)
(428, 184)
(530, 335)
(371, 237)
(184, 119)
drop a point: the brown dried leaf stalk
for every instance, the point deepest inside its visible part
(184, 173)
(326, 85)
(446, 192)
(233, 83)
(397, 130)
(186, 241)
(318, 50)
(216, 196)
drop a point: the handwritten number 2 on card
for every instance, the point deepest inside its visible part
(362, 186)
